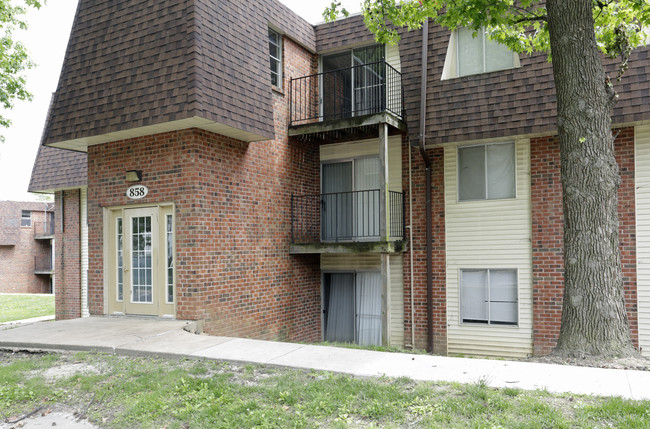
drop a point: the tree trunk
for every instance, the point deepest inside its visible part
(594, 320)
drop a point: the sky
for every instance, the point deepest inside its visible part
(46, 40)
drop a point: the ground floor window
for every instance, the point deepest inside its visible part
(488, 296)
(352, 307)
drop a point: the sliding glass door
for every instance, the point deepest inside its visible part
(352, 307)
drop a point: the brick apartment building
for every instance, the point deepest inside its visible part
(26, 244)
(230, 163)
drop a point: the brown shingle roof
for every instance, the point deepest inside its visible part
(131, 64)
(491, 105)
(56, 169)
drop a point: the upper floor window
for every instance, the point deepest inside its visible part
(468, 55)
(275, 52)
(486, 172)
(26, 218)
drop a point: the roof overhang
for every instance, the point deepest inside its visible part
(81, 144)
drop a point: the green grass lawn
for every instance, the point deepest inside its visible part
(130, 392)
(19, 306)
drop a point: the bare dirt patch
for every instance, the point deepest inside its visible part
(64, 419)
(637, 363)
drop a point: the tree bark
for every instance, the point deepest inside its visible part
(594, 320)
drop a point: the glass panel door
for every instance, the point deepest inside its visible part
(366, 183)
(336, 202)
(140, 253)
(141, 260)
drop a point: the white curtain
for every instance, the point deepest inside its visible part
(336, 217)
(503, 296)
(501, 170)
(368, 294)
(340, 310)
(474, 298)
(497, 57)
(470, 52)
(471, 173)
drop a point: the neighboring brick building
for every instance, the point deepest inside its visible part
(292, 204)
(26, 235)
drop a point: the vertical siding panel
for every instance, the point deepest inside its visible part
(396, 287)
(642, 179)
(350, 261)
(489, 234)
(392, 57)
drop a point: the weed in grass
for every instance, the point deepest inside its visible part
(511, 391)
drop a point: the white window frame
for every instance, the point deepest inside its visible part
(24, 218)
(489, 321)
(119, 253)
(277, 60)
(169, 220)
(485, 160)
(451, 67)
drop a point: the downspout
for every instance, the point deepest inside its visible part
(427, 172)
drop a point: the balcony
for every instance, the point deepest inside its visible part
(346, 104)
(43, 230)
(43, 264)
(347, 222)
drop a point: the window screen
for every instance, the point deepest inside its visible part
(486, 172)
(489, 296)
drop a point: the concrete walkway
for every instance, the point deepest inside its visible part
(168, 338)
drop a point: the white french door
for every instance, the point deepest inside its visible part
(141, 261)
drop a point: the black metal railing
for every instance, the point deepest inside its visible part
(344, 217)
(43, 229)
(345, 93)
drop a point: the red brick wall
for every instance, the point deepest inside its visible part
(547, 224)
(418, 198)
(68, 255)
(17, 261)
(232, 210)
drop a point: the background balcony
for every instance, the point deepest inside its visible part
(348, 98)
(43, 230)
(43, 264)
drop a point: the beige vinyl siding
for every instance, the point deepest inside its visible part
(348, 150)
(396, 303)
(642, 180)
(392, 57)
(350, 261)
(489, 234)
(394, 97)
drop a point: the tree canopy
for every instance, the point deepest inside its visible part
(14, 59)
(621, 25)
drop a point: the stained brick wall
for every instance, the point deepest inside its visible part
(68, 254)
(547, 224)
(232, 211)
(418, 198)
(17, 260)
